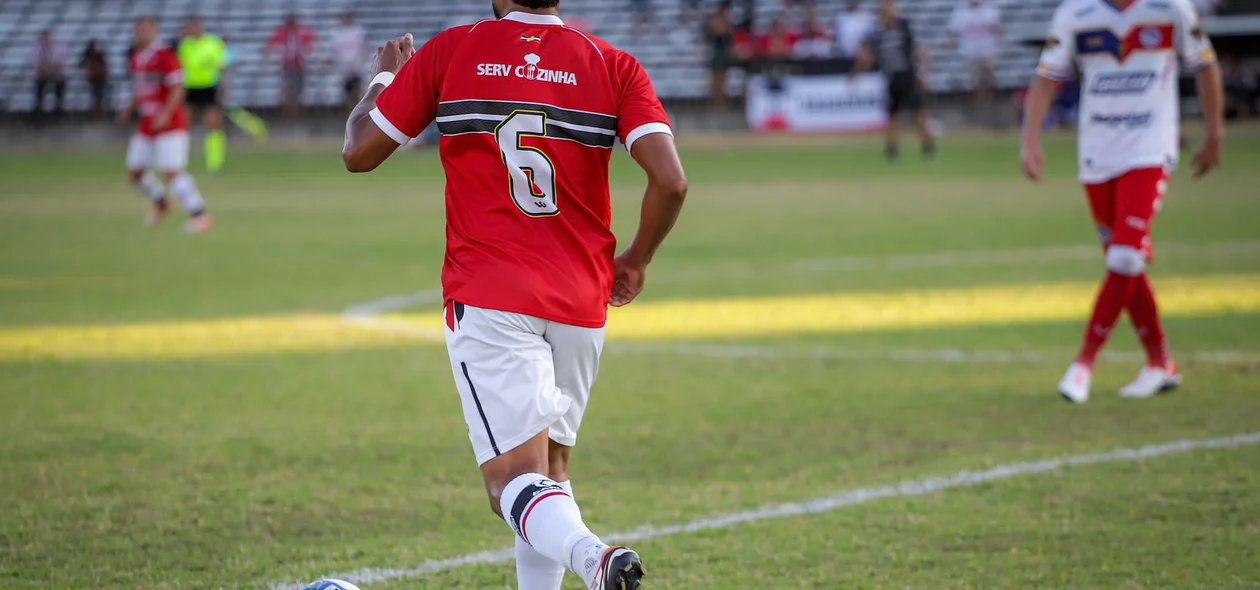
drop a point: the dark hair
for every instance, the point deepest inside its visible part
(537, 3)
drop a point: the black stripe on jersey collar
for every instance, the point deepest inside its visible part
(503, 109)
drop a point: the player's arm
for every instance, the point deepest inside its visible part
(1212, 96)
(662, 203)
(174, 81)
(1195, 50)
(1057, 62)
(865, 58)
(644, 129)
(367, 143)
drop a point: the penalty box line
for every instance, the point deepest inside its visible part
(832, 503)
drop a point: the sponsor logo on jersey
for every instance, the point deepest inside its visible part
(1112, 83)
(529, 71)
(1127, 120)
(531, 38)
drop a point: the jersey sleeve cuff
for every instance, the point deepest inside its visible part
(1053, 73)
(393, 132)
(1198, 62)
(646, 129)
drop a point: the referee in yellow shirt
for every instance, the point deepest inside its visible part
(204, 57)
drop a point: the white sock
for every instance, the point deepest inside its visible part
(535, 571)
(185, 189)
(151, 187)
(545, 515)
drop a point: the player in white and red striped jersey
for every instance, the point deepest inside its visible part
(529, 111)
(160, 142)
(1129, 54)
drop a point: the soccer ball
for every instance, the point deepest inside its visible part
(330, 584)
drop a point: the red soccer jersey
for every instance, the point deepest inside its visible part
(529, 111)
(155, 73)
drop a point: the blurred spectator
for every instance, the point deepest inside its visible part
(294, 41)
(892, 49)
(1241, 88)
(792, 13)
(96, 68)
(350, 57)
(813, 41)
(719, 34)
(643, 16)
(976, 33)
(777, 44)
(49, 58)
(691, 10)
(853, 27)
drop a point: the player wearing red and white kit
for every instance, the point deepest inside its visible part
(160, 142)
(529, 111)
(1129, 53)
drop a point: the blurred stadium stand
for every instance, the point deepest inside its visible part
(674, 54)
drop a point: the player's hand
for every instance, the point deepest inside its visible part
(393, 55)
(628, 277)
(1033, 161)
(1209, 157)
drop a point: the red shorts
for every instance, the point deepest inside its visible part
(1125, 207)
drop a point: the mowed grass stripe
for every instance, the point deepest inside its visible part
(664, 320)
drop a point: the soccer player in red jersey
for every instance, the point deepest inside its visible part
(1128, 53)
(161, 140)
(529, 111)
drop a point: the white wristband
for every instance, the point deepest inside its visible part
(383, 78)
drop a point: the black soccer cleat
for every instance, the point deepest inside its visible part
(619, 569)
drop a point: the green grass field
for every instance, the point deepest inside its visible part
(192, 412)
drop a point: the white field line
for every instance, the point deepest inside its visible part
(821, 505)
(393, 303)
(929, 355)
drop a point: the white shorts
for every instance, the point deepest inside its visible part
(519, 375)
(167, 152)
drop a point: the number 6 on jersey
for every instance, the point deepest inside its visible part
(531, 175)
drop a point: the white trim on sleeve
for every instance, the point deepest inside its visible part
(646, 129)
(379, 118)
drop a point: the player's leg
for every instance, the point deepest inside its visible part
(924, 125)
(1076, 382)
(1138, 198)
(575, 353)
(892, 133)
(216, 139)
(140, 171)
(504, 371)
(535, 571)
(171, 159)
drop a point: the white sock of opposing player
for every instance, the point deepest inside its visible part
(545, 516)
(185, 189)
(151, 187)
(535, 571)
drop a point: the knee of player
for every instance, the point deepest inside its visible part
(135, 175)
(1125, 260)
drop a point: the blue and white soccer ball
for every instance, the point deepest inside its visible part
(330, 584)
